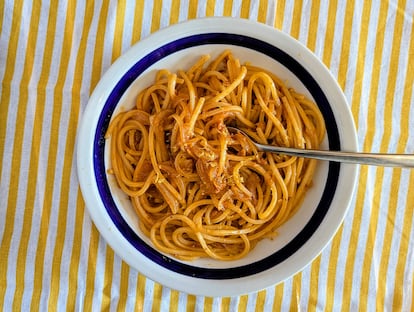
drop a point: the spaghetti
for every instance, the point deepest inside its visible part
(199, 190)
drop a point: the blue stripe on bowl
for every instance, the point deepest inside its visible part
(135, 71)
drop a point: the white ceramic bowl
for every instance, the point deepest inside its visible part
(301, 239)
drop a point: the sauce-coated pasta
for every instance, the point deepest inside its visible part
(200, 191)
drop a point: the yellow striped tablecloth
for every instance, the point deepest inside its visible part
(53, 53)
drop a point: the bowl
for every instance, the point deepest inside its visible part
(300, 239)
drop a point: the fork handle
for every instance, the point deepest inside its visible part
(376, 159)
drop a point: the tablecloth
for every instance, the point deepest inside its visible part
(53, 53)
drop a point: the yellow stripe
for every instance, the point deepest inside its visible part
(363, 180)
(228, 5)
(262, 14)
(211, 4)
(174, 294)
(399, 278)
(242, 303)
(314, 284)
(278, 297)
(137, 28)
(409, 207)
(192, 9)
(94, 235)
(260, 300)
(245, 8)
(376, 201)
(336, 241)
(123, 287)
(174, 11)
(360, 73)
(5, 102)
(191, 302)
(99, 45)
(1, 15)
(296, 19)
(208, 304)
(362, 185)
(280, 14)
(315, 267)
(17, 148)
(395, 180)
(75, 256)
(119, 29)
(156, 298)
(225, 304)
(35, 152)
(80, 206)
(346, 42)
(116, 52)
(67, 166)
(329, 35)
(412, 291)
(313, 24)
(140, 293)
(107, 284)
(156, 15)
(91, 268)
(296, 292)
(331, 271)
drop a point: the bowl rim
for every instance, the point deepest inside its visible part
(214, 287)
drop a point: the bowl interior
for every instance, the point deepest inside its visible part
(182, 60)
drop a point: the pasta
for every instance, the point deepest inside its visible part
(199, 190)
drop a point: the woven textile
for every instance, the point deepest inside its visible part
(53, 53)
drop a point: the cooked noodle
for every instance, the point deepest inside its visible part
(199, 190)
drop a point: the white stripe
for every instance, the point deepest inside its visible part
(323, 276)
(100, 268)
(288, 16)
(322, 27)
(251, 301)
(24, 162)
(353, 51)
(109, 35)
(165, 14)
(236, 8)
(368, 73)
(219, 8)
(148, 298)
(396, 239)
(71, 224)
(254, 10)
(287, 293)
(128, 25)
(201, 8)
(182, 302)
(270, 16)
(344, 246)
(183, 12)
(305, 286)
(408, 282)
(166, 297)
(116, 283)
(4, 44)
(146, 18)
(304, 22)
(340, 23)
(83, 260)
(269, 299)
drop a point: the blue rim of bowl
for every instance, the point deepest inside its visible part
(100, 171)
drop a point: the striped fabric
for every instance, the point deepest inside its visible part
(52, 54)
